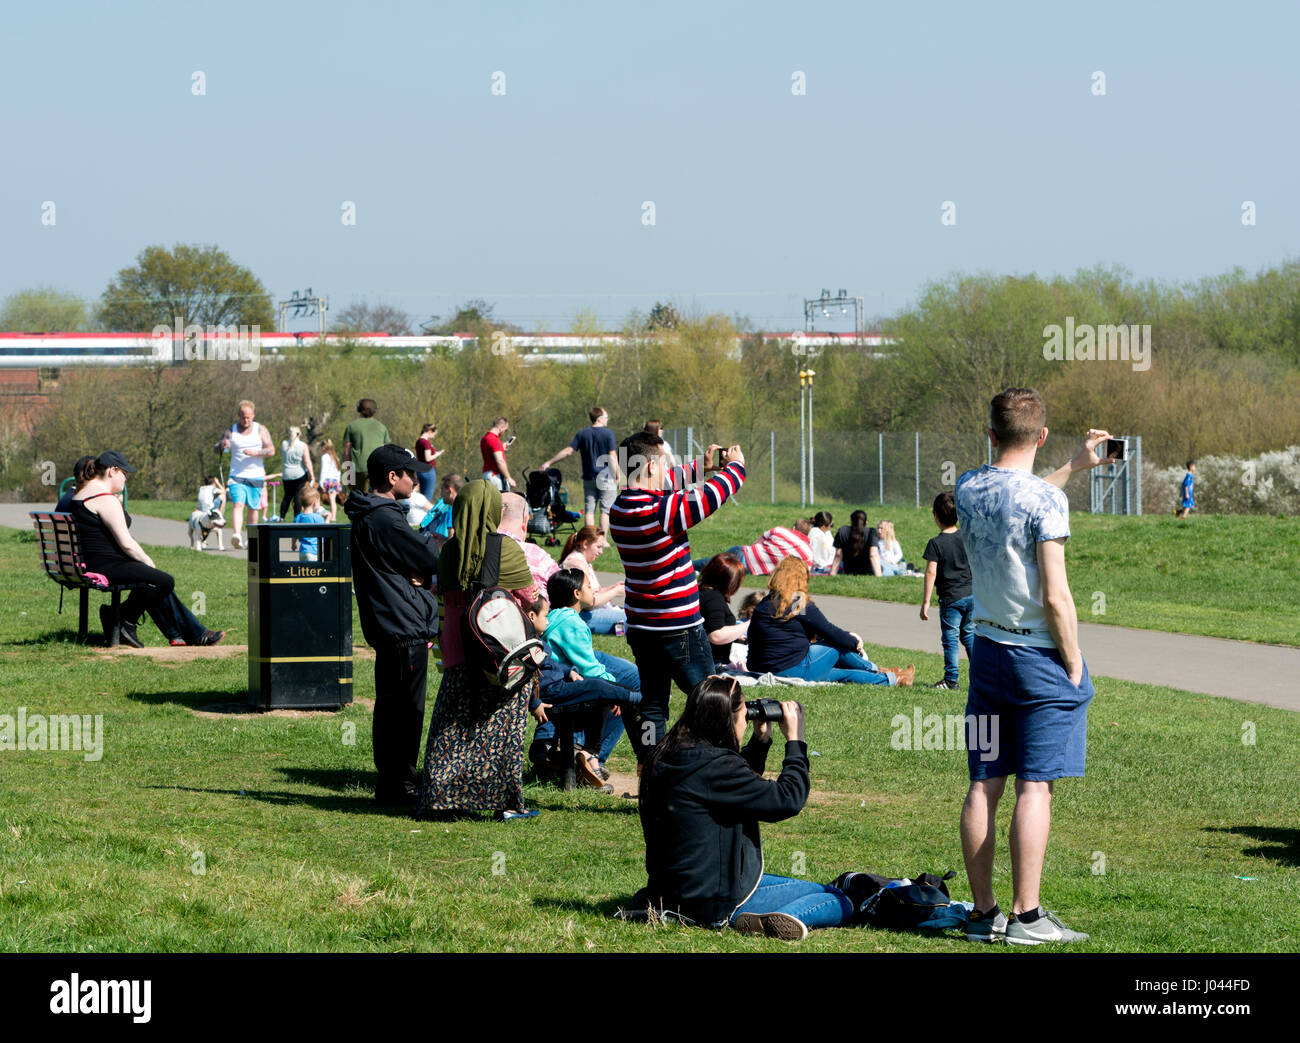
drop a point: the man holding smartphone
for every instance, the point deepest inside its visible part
(493, 451)
(1028, 678)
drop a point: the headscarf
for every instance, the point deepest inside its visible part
(475, 513)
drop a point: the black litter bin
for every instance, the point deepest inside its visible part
(299, 618)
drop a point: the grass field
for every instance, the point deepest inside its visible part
(234, 833)
(1229, 576)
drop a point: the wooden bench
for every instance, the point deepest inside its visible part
(62, 560)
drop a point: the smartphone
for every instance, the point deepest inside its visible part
(510, 441)
(1116, 449)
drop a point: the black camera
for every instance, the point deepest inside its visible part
(1116, 449)
(763, 710)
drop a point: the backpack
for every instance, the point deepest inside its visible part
(499, 638)
(902, 904)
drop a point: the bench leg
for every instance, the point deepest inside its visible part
(83, 612)
(114, 634)
(564, 732)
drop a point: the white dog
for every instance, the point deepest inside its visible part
(207, 517)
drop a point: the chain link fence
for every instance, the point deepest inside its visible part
(893, 467)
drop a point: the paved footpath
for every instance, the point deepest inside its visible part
(1267, 674)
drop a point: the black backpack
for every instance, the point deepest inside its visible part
(882, 901)
(499, 637)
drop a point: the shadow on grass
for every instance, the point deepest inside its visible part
(211, 700)
(67, 636)
(605, 909)
(1284, 844)
(351, 805)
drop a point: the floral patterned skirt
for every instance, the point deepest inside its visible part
(474, 759)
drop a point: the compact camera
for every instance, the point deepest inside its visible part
(1116, 449)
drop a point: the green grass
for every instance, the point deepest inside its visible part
(276, 811)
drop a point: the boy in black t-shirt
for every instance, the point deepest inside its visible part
(947, 567)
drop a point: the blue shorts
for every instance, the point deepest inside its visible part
(251, 495)
(1040, 718)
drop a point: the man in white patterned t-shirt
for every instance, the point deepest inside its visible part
(1029, 686)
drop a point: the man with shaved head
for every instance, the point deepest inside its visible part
(514, 523)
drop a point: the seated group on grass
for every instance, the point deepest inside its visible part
(857, 549)
(787, 635)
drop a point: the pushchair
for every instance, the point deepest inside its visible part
(548, 505)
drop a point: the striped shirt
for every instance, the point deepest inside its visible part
(649, 530)
(761, 557)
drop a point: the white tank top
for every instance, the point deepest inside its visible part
(241, 464)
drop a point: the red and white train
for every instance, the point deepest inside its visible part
(60, 350)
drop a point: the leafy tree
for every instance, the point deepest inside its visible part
(472, 314)
(361, 317)
(198, 284)
(663, 317)
(43, 309)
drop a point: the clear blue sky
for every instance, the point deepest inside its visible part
(533, 199)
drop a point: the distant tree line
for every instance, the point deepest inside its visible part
(1224, 373)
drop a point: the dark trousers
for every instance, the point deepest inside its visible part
(593, 727)
(400, 675)
(662, 658)
(158, 599)
(289, 506)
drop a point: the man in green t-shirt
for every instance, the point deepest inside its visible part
(362, 437)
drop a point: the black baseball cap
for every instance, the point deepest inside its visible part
(392, 457)
(112, 458)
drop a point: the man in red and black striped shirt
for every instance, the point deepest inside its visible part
(648, 524)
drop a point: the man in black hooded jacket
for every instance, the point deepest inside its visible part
(393, 569)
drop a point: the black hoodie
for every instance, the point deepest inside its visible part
(386, 553)
(700, 817)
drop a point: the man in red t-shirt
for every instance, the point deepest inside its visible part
(493, 451)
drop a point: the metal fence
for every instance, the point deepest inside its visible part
(900, 467)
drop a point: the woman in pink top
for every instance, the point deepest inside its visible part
(581, 550)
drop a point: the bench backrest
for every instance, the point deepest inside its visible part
(60, 548)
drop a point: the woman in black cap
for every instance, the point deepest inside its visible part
(110, 549)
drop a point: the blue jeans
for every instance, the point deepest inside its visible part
(628, 681)
(824, 663)
(598, 697)
(428, 484)
(888, 569)
(175, 620)
(603, 620)
(662, 658)
(736, 552)
(954, 616)
(817, 905)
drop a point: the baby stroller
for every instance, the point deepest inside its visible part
(548, 505)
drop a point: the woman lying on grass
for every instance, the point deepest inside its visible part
(782, 629)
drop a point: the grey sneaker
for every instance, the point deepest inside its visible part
(988, 929)
(1047, 928)
(771, 925)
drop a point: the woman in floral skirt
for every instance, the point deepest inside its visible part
(474, 758)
